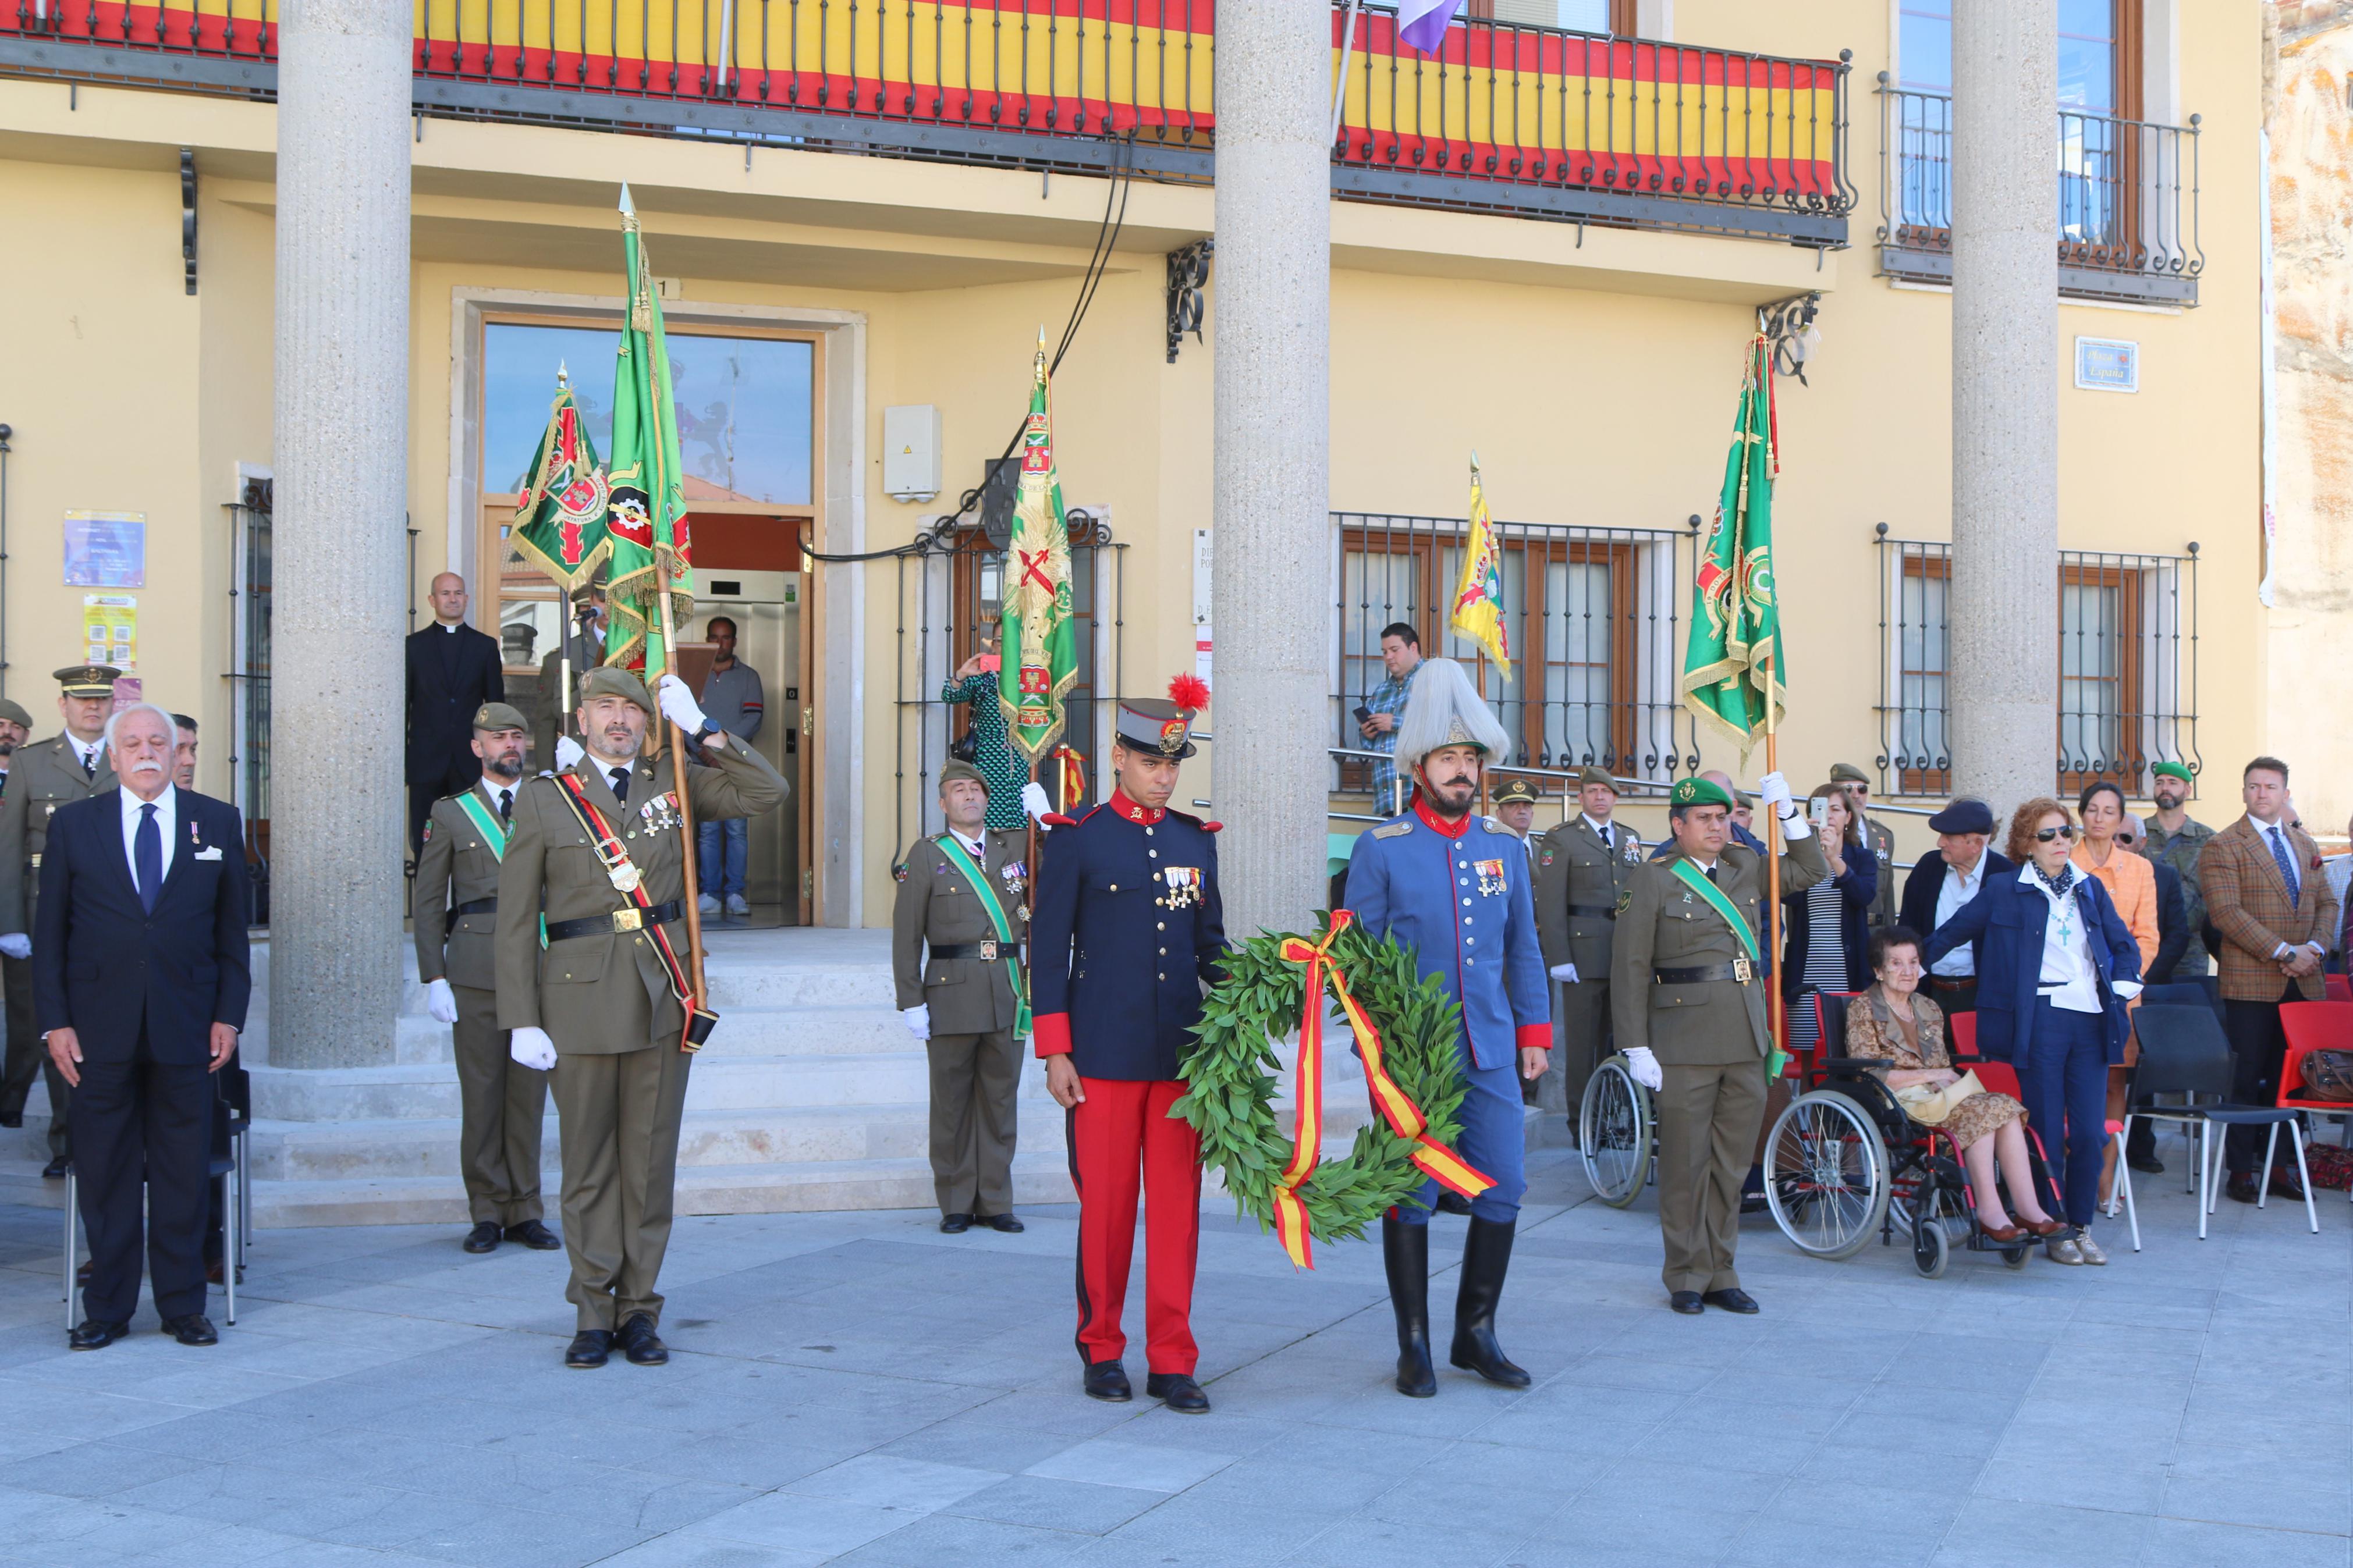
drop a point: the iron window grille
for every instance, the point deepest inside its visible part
(2125, 667)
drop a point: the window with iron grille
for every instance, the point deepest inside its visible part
(2127, 667)
(1590, 616)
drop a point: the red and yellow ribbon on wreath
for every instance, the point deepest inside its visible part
(1434, 1159)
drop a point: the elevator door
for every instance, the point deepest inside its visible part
(766, 608)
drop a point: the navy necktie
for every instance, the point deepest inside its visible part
(2286, 862)
(621, 784)
(147, 857)
(506, 805)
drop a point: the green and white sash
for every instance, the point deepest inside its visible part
(477, 812)
(961, 858)
(1696, 880)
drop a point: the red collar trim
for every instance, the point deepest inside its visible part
(1438, 825)
(1132, 812)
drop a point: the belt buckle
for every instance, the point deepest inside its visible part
(988, 951)
(629, 919)
(1741, 969)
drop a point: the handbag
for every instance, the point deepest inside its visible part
(967, 747)
(2329, 1075)
(1930, 1106)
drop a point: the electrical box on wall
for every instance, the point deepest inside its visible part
(910, 451)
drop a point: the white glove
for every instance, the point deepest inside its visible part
(440, 1001)
(678, 704)
(17, 944)
(567, 753)
(918, 1020)
(532, 1048)
(1564, 972)
(2125, 989)
(1773, 791)
(1034, 804)
(1645, 1067)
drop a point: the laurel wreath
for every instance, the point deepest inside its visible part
(1232, 1071)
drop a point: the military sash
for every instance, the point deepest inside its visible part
(622, 873)
(962, 860)
(477, 812)
(1696, 880)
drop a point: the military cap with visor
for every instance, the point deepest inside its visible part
(88, 680)
(1519, 792)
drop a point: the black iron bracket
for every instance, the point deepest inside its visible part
(1785, 323)
(1188, 274)
(188, 213)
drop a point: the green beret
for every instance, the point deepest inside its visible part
(2173, 771)
(15, 714)
(1518, 791)
(1596, 776)
(1847, 773)
(1699, 792)
(612, 680)
(498, 716)
(955, 770)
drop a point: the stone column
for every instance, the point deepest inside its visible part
(1270, 575)
(2004, 610)
(337, 807)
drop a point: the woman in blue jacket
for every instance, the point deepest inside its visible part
(2056, 965)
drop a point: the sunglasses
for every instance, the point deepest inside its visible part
(2046, 834)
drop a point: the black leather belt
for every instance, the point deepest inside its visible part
(987, 951)
(474, 907)
(1739, 970)
(629, 919)
(1603, 911)
(1952, 983)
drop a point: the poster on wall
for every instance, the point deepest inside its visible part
(106, 549)
(110, 630)
(127, 691)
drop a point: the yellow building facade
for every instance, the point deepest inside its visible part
(1592, 364)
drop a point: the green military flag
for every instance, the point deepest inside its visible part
(559, 524)
(651, 552)
(1040, 647)
(1734, 668)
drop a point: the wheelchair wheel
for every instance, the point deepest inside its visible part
(1826, 1175)
(1931, 1248)
(2015, 1257)
(1613, 1134)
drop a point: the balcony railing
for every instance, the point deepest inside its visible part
(1533, 121)
(2127, 213)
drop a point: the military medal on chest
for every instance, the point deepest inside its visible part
(1016, 876)
(1491, 876)
(1184, 885)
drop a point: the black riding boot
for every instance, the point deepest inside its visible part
(1405, 1249)
(1486, 1258)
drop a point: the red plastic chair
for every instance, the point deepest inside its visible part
(2337, 986)
(2314, 1026)
(1963, 1029)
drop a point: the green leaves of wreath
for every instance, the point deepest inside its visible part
(1232, 1072)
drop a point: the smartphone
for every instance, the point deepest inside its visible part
(1363, 713)
(992, 663)
(1818, 812)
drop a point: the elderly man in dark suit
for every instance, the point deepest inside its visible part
(453, 670)
(1942, 885)
(140, 980)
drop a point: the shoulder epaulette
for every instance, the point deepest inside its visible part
(1494, 826)
(1205, 825)
(1396, 829)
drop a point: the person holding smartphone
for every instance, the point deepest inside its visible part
(1827, 937)
(1009, 801)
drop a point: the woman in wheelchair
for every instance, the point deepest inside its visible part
(1891, 1022)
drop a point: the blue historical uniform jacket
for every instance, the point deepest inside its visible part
(1127, 930)
(1464, 900)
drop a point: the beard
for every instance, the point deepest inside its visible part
(508, 769)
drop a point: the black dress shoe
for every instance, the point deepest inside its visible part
(2150, 1166)
(195, 1329)
(12, 1119)
(536, 1235)
(1178, 1391)
(588, 1348)
(1687, 1302)
(2242, 1187)
(483, 1238)
(641, 1344)
(954, 1223)
(1454, 1203)
(1734, 1299)
(2285, 1184)
(94, 1335)
(1107, 1380)
(1004, 1221)
(55, 1171)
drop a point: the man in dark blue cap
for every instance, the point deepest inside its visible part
(1947, 878)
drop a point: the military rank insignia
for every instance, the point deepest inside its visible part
(1184, 884)
(1491, 875)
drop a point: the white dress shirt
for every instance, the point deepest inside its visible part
(167, 819)
(975, 847)
(1957, 888)
(1602, 830)
(86, 755)
(2068, 979)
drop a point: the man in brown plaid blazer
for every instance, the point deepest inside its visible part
(2267, 896)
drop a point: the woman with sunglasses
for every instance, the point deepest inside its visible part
(2056, 966)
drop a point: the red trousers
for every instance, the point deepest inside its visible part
(1120, 1131)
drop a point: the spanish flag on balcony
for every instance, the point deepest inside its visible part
(1479, 597)
(1733, 669)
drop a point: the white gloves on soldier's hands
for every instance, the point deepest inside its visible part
(1565, 972)
(918, 1020)
(1035, 805)
(17, 944)
(1645, 1067)
(440, 1001)
(567, 753)
(1773, 791)
(532, 1048)
(678, 704)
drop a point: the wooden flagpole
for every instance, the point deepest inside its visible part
(1773, 1010)
(685, 802)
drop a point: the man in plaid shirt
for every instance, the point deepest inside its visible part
(1401, 655)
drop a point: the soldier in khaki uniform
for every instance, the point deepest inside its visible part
(25, 1055)
(966, 1003)
(1582, 866)
(42, 777)
(597, 1002)
(1882, 841)
(1689, 1004)
(500, 1101)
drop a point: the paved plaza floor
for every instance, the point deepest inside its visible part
(857, 1388)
